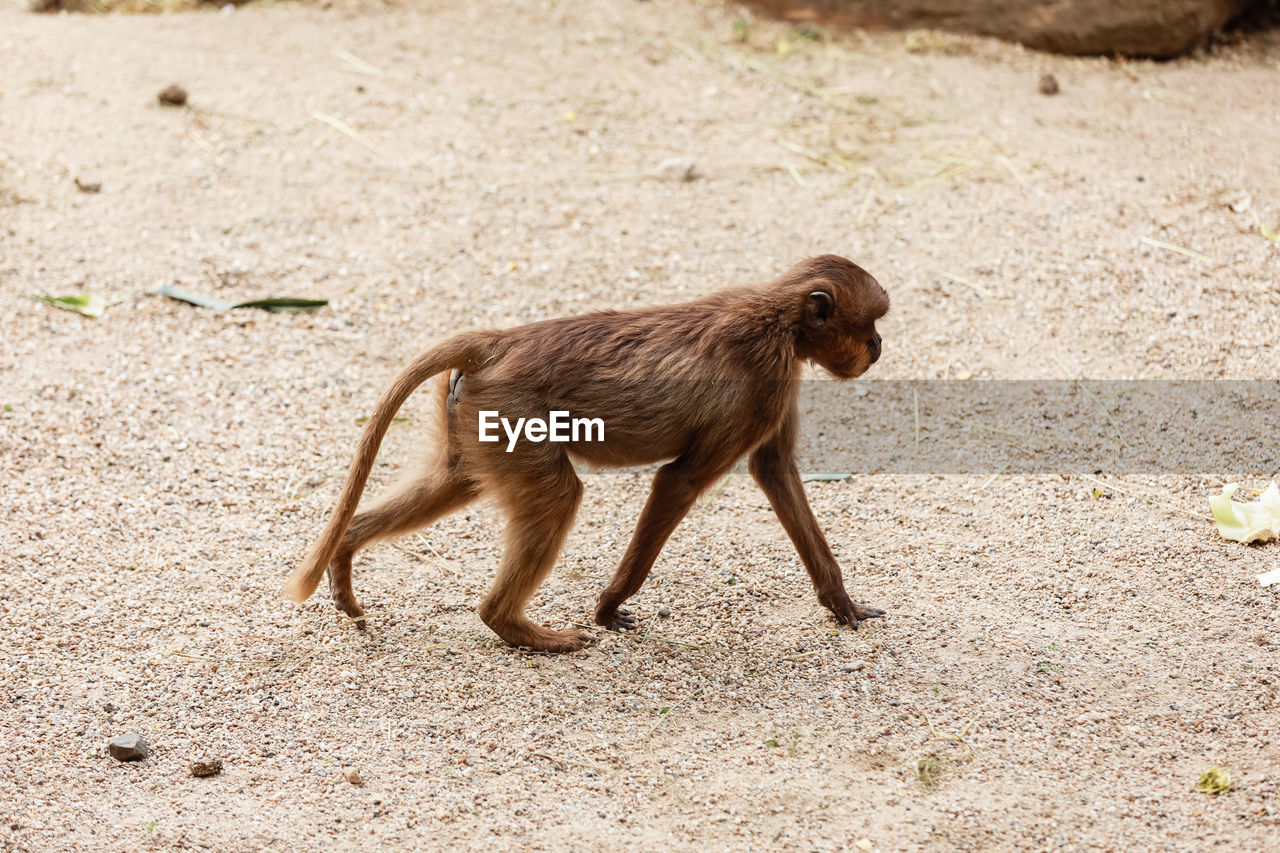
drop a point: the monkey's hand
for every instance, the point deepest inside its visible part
(616, 620)
(845, 611)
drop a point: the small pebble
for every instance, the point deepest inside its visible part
(853, 665)
(130, 747)
(172, 95)
(664, 611)
(1238, 200)
(1049, 85)
(679, 169)
(206, 766)
(352, 775)
(88, 186)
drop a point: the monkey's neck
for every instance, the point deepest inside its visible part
(763, 328)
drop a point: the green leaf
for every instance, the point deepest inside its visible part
(825, 476)
(284, 304)
(1266, 232)
(771, 742)
(84, 303)
(274, 304)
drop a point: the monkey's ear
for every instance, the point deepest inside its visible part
(818, 309)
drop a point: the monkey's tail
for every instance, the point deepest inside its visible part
(462, 351)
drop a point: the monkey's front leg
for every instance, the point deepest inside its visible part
(675, 487)
(773, 467)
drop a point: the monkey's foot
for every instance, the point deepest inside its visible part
(554, 642)
(846, 612)
(346, 602)
(525, 634)
(620, 619)
(355, 611)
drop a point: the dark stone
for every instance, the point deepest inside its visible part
(172, 95)
(1132, 28)
(128, 747)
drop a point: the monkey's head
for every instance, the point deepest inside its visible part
(839, 304)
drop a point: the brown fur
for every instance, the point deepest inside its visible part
(700, 384)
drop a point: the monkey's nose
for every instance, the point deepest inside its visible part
(873, 347)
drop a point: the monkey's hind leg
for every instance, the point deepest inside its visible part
(540, 510)
(415, 504)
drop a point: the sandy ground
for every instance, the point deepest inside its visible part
(163, 467)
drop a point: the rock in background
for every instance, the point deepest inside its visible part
(1133, 27)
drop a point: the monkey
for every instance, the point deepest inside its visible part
(695, 386)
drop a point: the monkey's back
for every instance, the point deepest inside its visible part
(659, 379)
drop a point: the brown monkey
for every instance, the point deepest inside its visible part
(699, 384)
